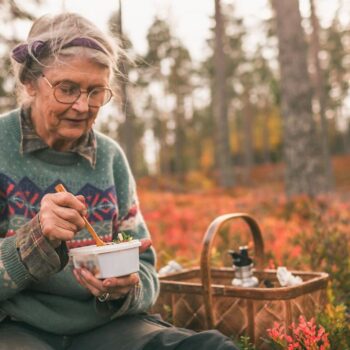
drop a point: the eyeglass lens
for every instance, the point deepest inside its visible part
(66, 92)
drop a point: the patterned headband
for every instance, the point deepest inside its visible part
(21, 53)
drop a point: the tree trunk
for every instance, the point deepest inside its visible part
(266, 135)
(304, 167)
(247, 138)
(220, 104)
(164, 156)
(344, 133)
(320, 95)
(127, 138)
(180, 137)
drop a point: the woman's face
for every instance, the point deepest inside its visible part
(58, 124)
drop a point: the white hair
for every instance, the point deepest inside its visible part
(56, 32)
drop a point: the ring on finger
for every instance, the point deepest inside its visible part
(104, 297)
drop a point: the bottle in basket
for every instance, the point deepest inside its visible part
(243, 266)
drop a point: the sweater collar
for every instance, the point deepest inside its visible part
(31, 141)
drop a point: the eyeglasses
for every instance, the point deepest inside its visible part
(68, 92)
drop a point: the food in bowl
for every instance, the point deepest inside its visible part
(110, 260)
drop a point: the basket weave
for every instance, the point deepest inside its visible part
(204, 298)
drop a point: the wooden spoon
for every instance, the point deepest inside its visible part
(98, 240)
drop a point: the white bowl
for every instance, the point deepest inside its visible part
(110, 260)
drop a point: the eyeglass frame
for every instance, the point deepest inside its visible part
(53, 87)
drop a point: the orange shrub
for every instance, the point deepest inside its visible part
(177, 222)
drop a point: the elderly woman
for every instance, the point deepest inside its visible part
(64, 71)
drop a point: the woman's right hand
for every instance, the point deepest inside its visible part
(60, 216)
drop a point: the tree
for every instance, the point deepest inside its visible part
(239, 74)
(319, 88)
(265, 90)
(166, 77)
(127, 129)
(335, 63)
(155, 85)
(252, 94)
(220, 104)
(180, 86)
(10, 15)
(304, 167)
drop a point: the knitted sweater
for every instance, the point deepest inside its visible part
(53, 300)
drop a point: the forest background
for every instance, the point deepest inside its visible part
(264, 131)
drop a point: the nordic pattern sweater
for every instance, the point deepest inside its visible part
(53, 300)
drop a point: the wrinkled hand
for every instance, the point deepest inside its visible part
(61, 216)
(117, 287)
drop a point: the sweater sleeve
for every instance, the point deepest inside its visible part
(27, 256)
(130, 220)
(13, 275)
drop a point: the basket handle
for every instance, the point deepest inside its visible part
(207, 242)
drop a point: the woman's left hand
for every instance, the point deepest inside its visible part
(116, 287)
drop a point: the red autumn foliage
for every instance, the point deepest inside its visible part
(178, 221)
(305, 335)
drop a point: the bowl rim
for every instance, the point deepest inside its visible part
(108, 248)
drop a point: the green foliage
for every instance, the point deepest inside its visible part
(168, 313)
(335, 322)
(245, 344)
(123, 237)
(327, 249)
(159, 40)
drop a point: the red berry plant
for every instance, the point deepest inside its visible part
(305, 335)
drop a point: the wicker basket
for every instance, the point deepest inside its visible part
(204, 298)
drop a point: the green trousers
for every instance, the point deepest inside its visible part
(136, 332)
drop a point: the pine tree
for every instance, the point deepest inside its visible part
(302, 154)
